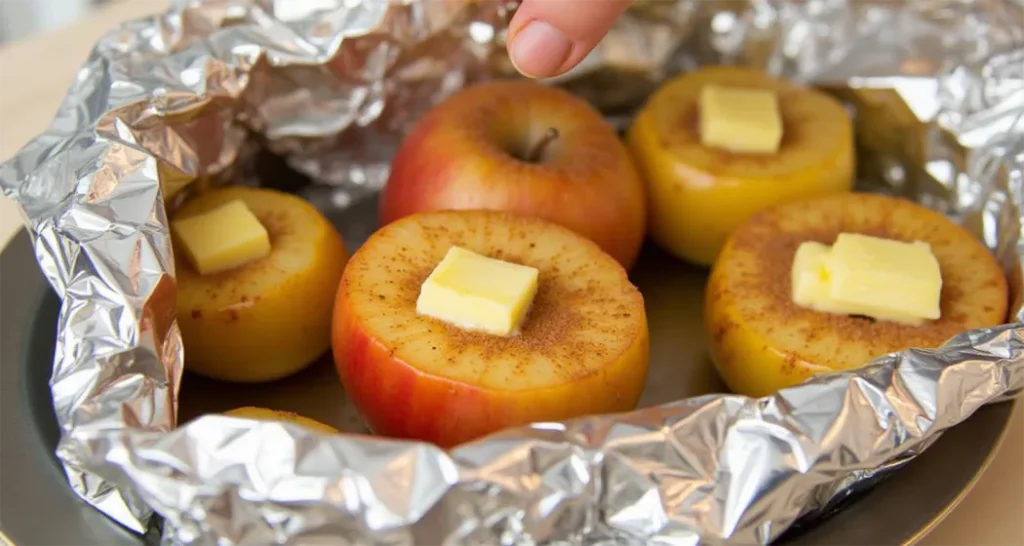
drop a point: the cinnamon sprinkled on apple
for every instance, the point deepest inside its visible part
(700, 194)
(582, 349)
(242, 324)
(759, 335)
(549, 329)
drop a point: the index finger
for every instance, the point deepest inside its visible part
(549, 37)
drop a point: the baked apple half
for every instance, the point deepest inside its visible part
(581, 349)
(762, 341)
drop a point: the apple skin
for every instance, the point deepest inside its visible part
(264, 414)
(464, 154)
(399, 401)
(699, 195)
(244, 325)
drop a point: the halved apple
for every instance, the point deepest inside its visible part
(264, 414)
(271, 317)
(761, 341)
(582, 349)
(699, 194)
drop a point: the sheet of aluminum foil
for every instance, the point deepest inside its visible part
(180, 100)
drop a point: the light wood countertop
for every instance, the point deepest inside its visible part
(36, 73)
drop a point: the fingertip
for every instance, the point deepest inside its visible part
(549, 37)
(539, 50)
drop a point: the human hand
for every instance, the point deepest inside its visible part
(549, 37)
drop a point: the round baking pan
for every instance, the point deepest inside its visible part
(38, 507)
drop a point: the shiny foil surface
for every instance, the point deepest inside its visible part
(180, 100)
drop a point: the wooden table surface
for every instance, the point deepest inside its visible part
(36, 73)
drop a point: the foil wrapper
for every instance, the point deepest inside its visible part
(180, 100)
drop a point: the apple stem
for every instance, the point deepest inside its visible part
(537, 152)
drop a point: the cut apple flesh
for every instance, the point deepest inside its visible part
(761, 341)
(700, 194)
(264, 414)
(271, 317)
(582, 349)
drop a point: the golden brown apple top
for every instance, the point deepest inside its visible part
(758, 258)
(815, 125)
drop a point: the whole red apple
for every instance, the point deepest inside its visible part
(522, 147)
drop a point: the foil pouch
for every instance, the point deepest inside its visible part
(176, 101)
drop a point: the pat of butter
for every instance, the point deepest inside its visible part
(869, 276)
(475, 292)
(222, 239)
(740, 120)
(810, 277)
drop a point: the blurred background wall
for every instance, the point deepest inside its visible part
(22, 18)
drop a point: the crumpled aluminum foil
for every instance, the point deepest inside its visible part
(180, 100)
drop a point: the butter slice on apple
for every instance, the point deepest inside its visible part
(475, 292)
(870, 276)
(810, 277)
(222, 239)
(740, 120)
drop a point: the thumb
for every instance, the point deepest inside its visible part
(548, 37)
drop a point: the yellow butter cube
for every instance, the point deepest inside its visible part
(812, 283)
(224, 238)
(900, 281)
(869, 276)
(475, 292)
(740, 120)
(810, 276)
